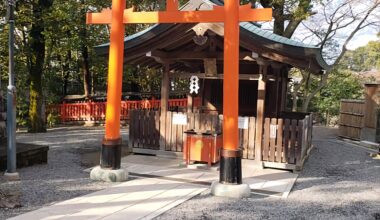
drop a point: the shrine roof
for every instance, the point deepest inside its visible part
(252, 37)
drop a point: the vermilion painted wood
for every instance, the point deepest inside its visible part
(96, 111)
(231, 14)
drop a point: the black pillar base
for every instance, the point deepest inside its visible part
(110, 157)
(230, 167)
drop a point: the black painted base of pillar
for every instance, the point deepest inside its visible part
(110, 157)
(230, 167)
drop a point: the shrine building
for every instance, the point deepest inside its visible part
(269, 134)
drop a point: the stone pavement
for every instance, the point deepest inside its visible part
(156, 185)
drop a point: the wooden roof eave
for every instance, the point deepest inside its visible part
(161, 36)
(158, 36)
(300, 57)
(305, 58)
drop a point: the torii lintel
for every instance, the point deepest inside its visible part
(173, 15)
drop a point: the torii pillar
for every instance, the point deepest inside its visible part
(230, 182)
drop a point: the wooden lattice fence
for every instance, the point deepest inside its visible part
(351, 118)
(285, 141)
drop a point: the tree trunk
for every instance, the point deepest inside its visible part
(278, 14)
(37, 59)
(310, 96)
(84, 52)
(86, 72)
(66, 72)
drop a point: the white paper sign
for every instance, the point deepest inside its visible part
(273, 131)
(243, 122)
(179, 119)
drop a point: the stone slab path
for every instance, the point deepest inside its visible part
(156, 185)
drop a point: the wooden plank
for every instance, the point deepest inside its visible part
(173, 135)
(283, 166)
(251, 138)
(279, 143)
(131, 130)
(211, 122)
(240, 133)
(245, 142)
(260, 114)
(151, 128)
(144, 129)
(168, 131)
(136, 129)
(190, 117)
(148, 129)
(215, 120)
(204, 121)
(162, 130)
(300, 133)
(197, 121)
(182, 130)
(266, 139)
(286, 141)
(272, 140)
(157, 130)
(140, 134)
(293, 136)
(190, 103)
(371, 105)
(178, 137)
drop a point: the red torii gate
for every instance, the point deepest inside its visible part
(230, 14)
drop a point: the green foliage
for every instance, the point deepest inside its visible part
(342, 84)
(363, 58)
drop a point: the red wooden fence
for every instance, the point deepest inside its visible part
(96, 111)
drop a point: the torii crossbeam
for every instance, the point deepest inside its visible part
(230, 14)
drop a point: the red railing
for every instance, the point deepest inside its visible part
(96, 111)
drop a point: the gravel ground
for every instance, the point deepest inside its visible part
(71, 151)
(339, 181)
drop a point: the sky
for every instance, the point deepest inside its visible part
(362, 40)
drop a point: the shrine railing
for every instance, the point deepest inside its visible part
(96, 111)
(286, 141)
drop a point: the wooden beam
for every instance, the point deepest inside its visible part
(253, 77)
(165, 84)
(190, 103)
(194, 55)
(210, 67)
(277, 96)
(260, 113)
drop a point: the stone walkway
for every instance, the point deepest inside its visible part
(156, 185)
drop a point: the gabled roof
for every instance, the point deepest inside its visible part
(253, 38)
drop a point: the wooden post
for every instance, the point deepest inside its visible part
(277, 71)
(284, 89)
(165, 88)
(190, 103)
(260, 109)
